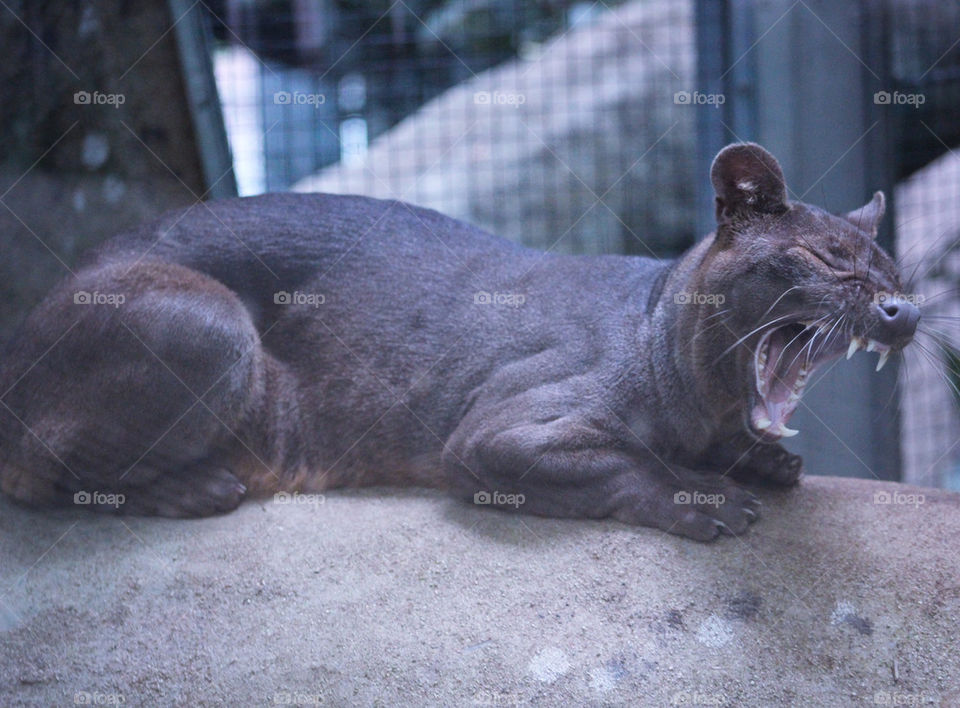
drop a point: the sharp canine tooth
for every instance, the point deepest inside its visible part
(883, 359)
(787, 432)
(854, 345)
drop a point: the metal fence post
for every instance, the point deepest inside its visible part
(196, 63)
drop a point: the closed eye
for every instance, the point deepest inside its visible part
(836, 270)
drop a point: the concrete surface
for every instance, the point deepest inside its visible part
(381, 597)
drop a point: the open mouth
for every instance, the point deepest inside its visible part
(783, 362)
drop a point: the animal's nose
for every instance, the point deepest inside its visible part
(898, 318)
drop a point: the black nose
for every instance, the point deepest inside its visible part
(898, 318)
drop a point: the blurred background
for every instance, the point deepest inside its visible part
(581, 127)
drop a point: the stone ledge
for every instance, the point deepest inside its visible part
(410, 598)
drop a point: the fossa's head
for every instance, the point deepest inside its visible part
(801, 287)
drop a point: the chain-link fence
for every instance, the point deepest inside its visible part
(552, 122)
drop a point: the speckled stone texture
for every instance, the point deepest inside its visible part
(845, 592)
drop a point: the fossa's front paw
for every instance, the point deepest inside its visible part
(194, 492)
(775, 464)
(694, 505)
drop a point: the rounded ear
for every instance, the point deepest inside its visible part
(747, 178)
(867, 217)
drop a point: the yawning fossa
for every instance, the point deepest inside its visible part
(306, 342)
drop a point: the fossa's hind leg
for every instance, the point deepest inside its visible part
(123, 390)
